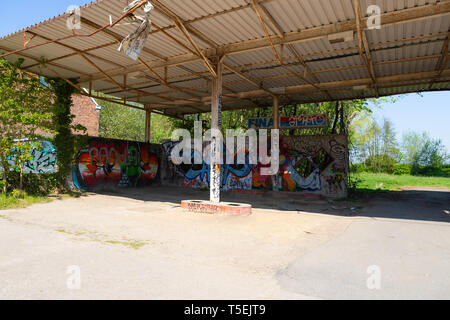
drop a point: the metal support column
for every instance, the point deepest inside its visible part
(216, 124)
(148, 124)
(276, 113)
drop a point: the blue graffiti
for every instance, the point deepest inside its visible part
(203, 171)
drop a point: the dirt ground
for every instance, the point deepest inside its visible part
(139, 244)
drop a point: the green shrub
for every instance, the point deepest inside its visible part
(402, 169)
(18, 194)
(357, 168)
(353, 183)
(34, 184)
(446, 171)
(430, 171)
(380, 164)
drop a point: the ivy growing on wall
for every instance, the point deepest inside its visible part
(65, 142)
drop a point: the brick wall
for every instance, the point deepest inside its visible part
(86, 114)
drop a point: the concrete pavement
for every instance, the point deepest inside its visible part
(142, 245)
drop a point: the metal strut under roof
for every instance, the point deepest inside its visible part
(299, 50)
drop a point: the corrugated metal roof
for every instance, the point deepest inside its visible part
(406, 51)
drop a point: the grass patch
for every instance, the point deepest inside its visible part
(129, 243)
(78, 234)
(371, 182)
(102, 238)
(11, 202)
(17, 200)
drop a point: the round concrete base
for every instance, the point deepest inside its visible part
(225, 208)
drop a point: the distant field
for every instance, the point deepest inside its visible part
(386, 182)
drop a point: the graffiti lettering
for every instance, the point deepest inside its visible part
(291, 122)
(43, 162)
(311, 164)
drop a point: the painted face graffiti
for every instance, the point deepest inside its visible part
(124, 164)
(338, 150)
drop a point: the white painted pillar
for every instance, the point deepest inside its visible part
(216, 123)
(276, 125)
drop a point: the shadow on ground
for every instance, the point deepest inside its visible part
(417, 204)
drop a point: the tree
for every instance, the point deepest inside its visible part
(430, 159)
(425, 155)
(25, 117)
(238, 119)
(432, 154)
(412, 143)
(120, 122)
(125, 123)
(359, 137)
(376, 145)
(388, 138)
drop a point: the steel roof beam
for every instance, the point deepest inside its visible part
(396, 17)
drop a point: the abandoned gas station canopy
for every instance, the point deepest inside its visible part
(298, 50)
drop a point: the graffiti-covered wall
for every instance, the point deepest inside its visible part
(317, 164)
(117, 163)
(43, 162)
(308, 164)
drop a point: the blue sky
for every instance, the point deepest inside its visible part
(430, 113)
(19, 14)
